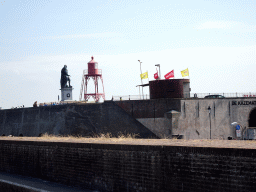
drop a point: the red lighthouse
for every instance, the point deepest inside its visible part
(95, 74)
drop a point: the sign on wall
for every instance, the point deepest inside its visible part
(243, 102)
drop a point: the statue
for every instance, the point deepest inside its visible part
(64, 77)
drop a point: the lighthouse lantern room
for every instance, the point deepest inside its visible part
(95, 74)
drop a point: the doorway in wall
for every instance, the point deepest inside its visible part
(252, 118)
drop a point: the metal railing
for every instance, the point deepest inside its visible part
(96, 71)
(186, 95)
(202, 95)
(130, 97)
(56, 103)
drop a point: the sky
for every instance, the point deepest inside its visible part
(214, 39)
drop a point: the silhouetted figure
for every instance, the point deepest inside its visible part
(35, 104)
(64, 77)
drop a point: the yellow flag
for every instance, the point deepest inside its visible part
(144, 75)
(185, 73)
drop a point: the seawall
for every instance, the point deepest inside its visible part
(195, 118)
(152, 108)
(71, 119)
(130, 167)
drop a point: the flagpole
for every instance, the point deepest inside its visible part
(139, 90)
(158, 65)
(141, 78)
(148, 77)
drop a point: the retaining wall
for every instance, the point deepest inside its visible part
(153, 108)
(71, 119)
(112, 167)
(191, 118)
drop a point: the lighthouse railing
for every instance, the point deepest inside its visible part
(96, 72)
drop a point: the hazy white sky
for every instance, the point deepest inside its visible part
(214, 39)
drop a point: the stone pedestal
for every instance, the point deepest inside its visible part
(66, 93)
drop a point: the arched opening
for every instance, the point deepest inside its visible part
(252, 118)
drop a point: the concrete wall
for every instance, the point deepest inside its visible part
(84, 120)
(159, 126)
(151, 113)
(163, 127)
(154, 108)
(141, 168)
(194, 121)
(155, 118)
(190, 117)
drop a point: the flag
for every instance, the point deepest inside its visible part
(185, 73)
(169, 75)
(144, 75)
(156, 74)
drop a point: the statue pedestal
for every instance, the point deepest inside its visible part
(66, 93)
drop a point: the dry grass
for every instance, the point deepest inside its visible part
(130, 139)
(95, 137)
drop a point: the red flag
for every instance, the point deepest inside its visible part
(169, 75)
(156, 75)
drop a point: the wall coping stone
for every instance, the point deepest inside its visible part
(147, 148)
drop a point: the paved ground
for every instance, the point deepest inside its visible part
(34, 184)
(247, 144)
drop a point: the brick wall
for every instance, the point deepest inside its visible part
(109, 167)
